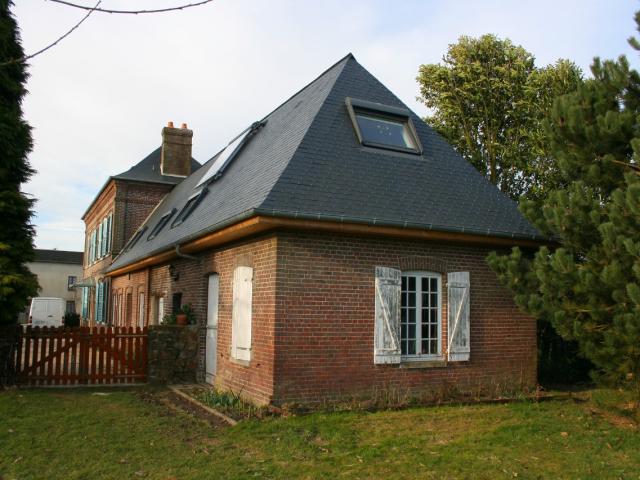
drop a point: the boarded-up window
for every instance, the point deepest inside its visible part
(459, 328)
(242, 306)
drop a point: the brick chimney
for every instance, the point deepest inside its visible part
(175, 158)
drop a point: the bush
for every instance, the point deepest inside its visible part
(71, 319)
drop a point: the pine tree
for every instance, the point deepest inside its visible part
(17, 284)
(589, 286)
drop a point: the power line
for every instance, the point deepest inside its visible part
(51, 45)
(133, 12)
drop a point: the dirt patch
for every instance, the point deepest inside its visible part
(193, 409)
(619, 421)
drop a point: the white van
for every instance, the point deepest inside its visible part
(46, 312)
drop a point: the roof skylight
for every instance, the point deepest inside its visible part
(228, 154)
(161, 223)
(189, 207)
(383, 126)
(135, 238)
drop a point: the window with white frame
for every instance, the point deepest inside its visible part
(420, 315)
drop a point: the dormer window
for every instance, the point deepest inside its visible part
(189, 207)
(161, 223)
(382, 126)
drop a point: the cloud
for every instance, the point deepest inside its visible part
(99, 99)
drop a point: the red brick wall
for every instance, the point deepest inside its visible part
(313, 317)
(133, 284)
(325, 308)
(134, 203)
(255, 380)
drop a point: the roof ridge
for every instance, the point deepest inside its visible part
(325, 72)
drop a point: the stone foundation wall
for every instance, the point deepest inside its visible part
(172, 354)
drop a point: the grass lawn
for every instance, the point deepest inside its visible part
(76, 434)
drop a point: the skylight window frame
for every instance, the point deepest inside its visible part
(212, 174)
(135, 238)
(384, 112)
(164, 219)
(190, 205)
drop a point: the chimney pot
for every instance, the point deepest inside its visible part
(170, 125)
(183, 126)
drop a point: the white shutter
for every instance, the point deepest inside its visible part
(241, 321)
(386, 338)
(459, 328)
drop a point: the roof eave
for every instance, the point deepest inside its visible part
(254, 222)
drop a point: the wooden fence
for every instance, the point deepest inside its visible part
(81, 356)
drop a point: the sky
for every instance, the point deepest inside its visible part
(98, 100)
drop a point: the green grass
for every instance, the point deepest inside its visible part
(74, 434)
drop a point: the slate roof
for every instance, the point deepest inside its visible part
(148, 170)
(306, 162)
(58, 256)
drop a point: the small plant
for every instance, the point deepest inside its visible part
(188, 311)
(231, 404)
(169, 319)
(71, 319)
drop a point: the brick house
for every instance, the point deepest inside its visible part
(336, 248)
(122, 204)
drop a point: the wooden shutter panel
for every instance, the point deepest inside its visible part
(242, 303)
(386, 338)
(459, 328)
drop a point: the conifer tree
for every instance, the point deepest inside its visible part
(589, 286)
(17, 283)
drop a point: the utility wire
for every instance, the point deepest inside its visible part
(51, 45)
(132, 12)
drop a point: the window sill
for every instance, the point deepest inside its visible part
(420, 363)
(243, 363)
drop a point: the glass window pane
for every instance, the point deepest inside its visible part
(434, 284)
(412, 331)
(425, 315)
(433, 331)
(425, 347)
(404, 283)
(425, 284)
(403, 331)
(403, 315)
(434, 346)
(434, 300)
(403, 348)
(425, 300)
(384, 131)
(404, 299)
(412, 316)
(412, 299)
(433, 314)
(425, 330)
(411, 347)
(412, 283)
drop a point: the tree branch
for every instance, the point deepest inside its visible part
(51, 45)
(132, 12)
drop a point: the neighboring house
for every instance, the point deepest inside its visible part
(58, 271)
(122, 204)
(336, 248)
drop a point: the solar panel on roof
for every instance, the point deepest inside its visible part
(225, 157)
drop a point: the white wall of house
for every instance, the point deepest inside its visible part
(54, 280)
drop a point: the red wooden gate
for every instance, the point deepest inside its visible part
(80, 356)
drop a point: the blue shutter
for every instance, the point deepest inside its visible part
(108, 236)
(85, 302)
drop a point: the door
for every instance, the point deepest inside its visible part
(212, 328)
(141, 309)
